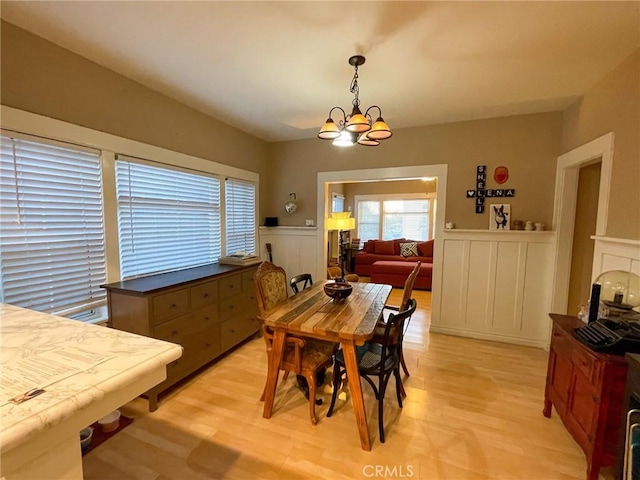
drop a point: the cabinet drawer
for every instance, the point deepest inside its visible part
(247, 281)
(170, 305)
(229, 286)
(237, 329)
(584, 362)
(198, 350)
(237, 305)
(182, 327)
(204, 294)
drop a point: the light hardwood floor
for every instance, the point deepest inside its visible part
(473, 411)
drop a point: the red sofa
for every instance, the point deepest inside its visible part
(389, 250)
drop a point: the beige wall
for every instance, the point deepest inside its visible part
(613, 105)
(384, 188)
(528, 145)
(40, 77)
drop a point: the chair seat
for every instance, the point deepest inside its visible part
(368, 357)
(315, 353)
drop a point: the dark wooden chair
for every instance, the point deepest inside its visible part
(304, 278)
(302, 356)
(377, 360)
(378, 333)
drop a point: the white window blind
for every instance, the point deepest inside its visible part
(406, 219)
(168, 219)
(240, 212)
(51, 226)
(369, 220)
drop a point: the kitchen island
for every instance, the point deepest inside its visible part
(76, 373)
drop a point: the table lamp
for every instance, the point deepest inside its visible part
(342, 222)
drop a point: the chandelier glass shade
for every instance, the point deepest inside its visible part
(356, 127)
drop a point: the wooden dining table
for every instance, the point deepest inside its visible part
(311, 313)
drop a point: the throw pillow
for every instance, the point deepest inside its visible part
(409, 249)
(369, 246)
(396, 245)
(384, 247)
(426, 248)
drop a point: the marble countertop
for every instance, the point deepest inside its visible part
(26, 335)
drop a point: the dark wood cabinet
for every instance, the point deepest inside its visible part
(587, 390)
(207, 310)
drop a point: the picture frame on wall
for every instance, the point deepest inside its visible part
(500, 216)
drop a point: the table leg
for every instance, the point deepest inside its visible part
(277, 349)
(355, 386)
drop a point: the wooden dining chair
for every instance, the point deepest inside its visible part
(302, 356)
(304, 278)
(336, 272)
(378, 333)
(377, 359)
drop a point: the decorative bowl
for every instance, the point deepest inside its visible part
(338, 290)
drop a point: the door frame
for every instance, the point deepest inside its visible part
(564, 211)
(380, 174)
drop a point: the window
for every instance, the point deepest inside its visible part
(337, 202)
(51, 226)
(240, 216)
(168, 219)
(392, 217)
(406, 219)
(368, 220)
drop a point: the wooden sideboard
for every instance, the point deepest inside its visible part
(207, 310)
(587, 390)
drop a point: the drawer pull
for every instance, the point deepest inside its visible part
(206, 318)
(206, 295)
(175, 332)
(173, 305)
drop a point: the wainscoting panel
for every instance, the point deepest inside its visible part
(294, 249)
(615, 254)
(496, 286)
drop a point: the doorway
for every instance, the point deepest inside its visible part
(564, 211)
(325, 179)
(583, 244)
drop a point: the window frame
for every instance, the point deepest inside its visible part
(30, 124)
(91, 310)
(432, 197)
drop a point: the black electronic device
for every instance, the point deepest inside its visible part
(615, 337)
(271, 221)
(594, 303)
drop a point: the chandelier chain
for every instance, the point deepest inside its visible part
(354, 88)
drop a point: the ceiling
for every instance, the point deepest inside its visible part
(274, 69)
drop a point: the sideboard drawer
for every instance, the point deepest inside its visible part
(170, 305)
(229, 286)
(204, 294)
(235, 330)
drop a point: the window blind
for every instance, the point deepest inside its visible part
(52, 255)
(168, 219)
(406, 219)
(369, 220)
(240, 212)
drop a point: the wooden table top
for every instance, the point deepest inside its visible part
(312, 313)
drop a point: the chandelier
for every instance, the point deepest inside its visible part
(355, 128)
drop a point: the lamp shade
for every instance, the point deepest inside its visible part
(329, 130)
(341, 221)
(357, 123)
(379, 131)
